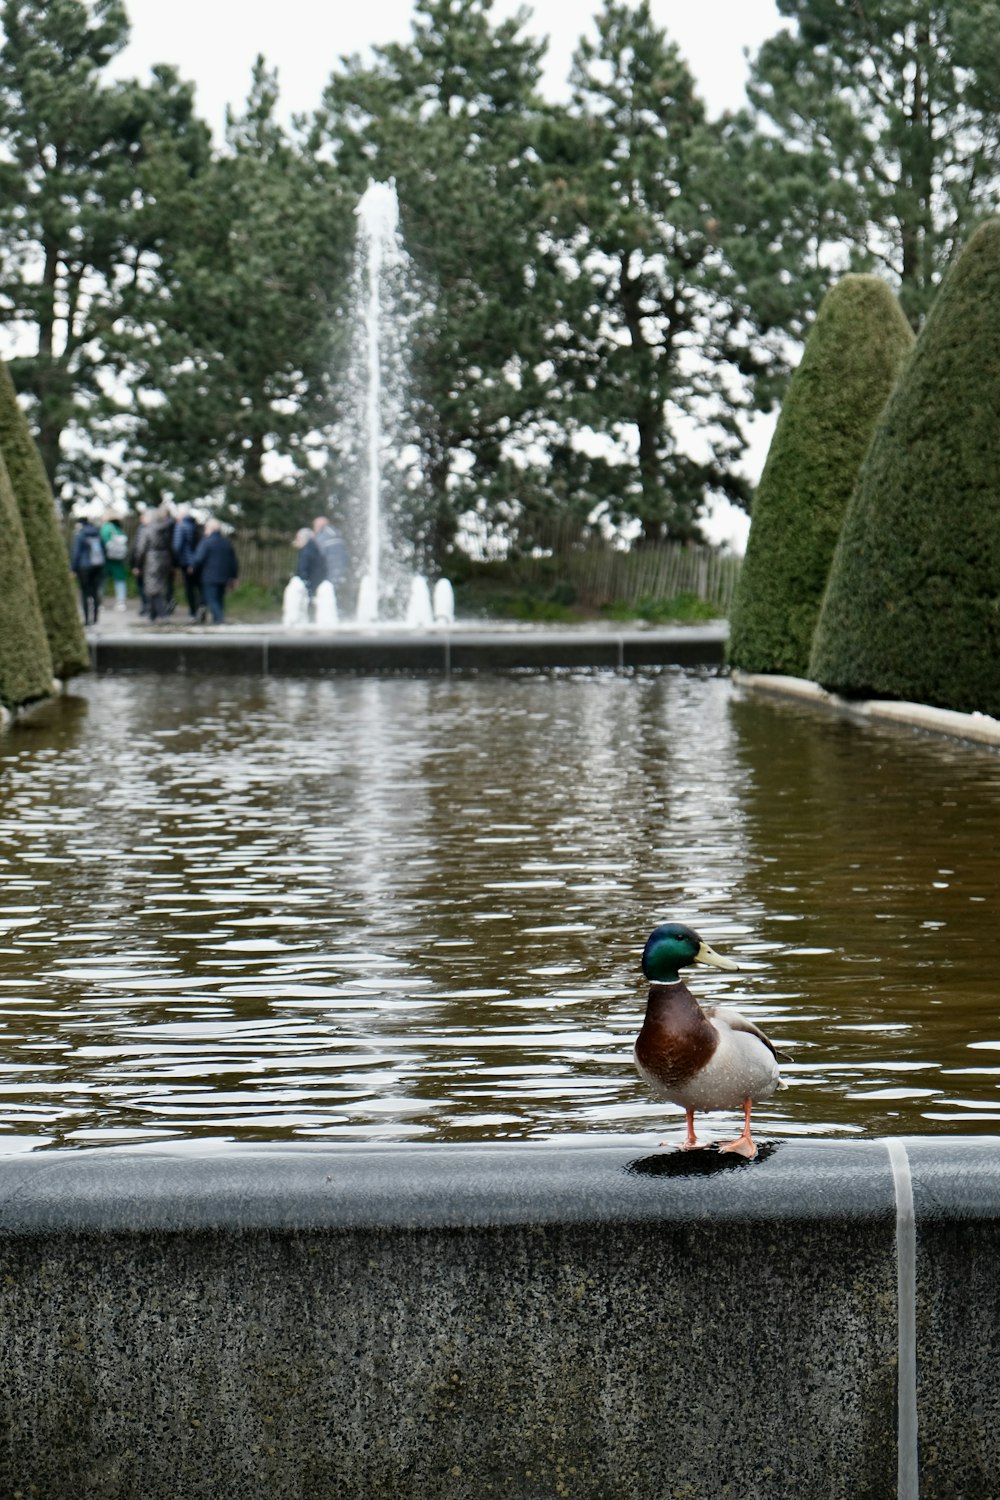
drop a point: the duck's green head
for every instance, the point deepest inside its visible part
(672, 947)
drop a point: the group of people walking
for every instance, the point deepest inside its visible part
(167, 544)
(171, 544)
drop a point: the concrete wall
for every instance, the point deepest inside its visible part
(443, 1322)
(282, 653)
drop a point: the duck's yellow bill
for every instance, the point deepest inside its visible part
(707, 955)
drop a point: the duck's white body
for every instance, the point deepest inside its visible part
(741, 1067)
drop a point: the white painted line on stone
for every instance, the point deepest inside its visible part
(907, 1438)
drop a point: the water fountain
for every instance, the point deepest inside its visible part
(295, 605)
(327, 615)
(378, 236)
(384, 306)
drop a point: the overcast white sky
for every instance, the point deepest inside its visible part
(213, 43)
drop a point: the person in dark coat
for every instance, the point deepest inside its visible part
(332, 551)
(87, 562)
(153, 563)
(322, 556)
(310, 566)
(143, 517)
(187, 535)
(216, 569)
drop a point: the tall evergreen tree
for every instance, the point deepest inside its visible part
(43, 535)
(657, 335)
(850, 364)
(451, 116)
(70, 232)
(25, 663)
(912, 609)
(888, 118)
(229, 350)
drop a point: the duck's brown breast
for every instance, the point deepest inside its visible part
(676, 1040)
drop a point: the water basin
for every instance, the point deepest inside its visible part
(251, 910)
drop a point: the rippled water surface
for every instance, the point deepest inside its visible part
(398, 909)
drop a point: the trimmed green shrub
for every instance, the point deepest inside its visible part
(46, 546)
(25, 663)
(850, 363)
(912, 609)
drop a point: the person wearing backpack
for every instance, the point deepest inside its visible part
(87, 562)
(115, 544)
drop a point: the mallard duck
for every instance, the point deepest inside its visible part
(701, 1057)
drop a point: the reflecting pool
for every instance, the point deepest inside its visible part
(407, 909)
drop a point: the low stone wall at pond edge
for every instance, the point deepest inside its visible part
(515, 1321)
(281, 653)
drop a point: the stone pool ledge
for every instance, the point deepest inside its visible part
(978, 727)
(515, 1321)
(281, 653)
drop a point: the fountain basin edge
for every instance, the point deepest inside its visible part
(281, 653)
(514, 1320)
(978, 727)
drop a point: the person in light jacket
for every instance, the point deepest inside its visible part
(216, 569)
(153, 563)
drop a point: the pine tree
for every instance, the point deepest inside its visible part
(229, 349)
(887, 114)
(25, 663)
(46, 545)
(912, 609)
(851, 361)
(75, 233)
(656, 344)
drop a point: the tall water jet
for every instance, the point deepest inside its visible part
(378, 222)
(377, 446)
(378, 437)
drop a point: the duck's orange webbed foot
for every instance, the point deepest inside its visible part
(743, 1144)
(690, 1141)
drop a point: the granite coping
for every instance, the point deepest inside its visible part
(277, 652)
(330, 1187)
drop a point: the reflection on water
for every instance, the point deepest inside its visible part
(413, 910)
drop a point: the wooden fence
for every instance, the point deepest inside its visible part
(599, 575)
(595, 572)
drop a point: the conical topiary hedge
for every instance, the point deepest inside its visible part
(850, 364)
(25, 663)
(46, 545)
(912, 608)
